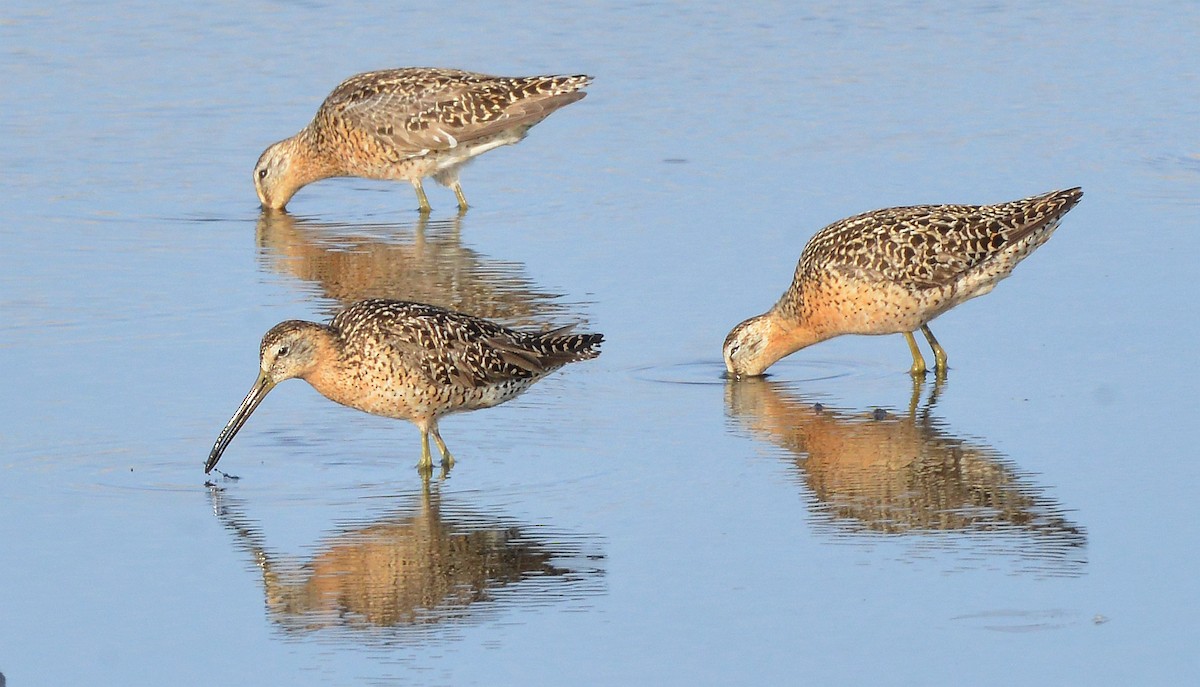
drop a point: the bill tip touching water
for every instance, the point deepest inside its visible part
(407, 361)
(407, 124)
(892, 271)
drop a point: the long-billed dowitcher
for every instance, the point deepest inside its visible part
(408, 361)
(892, 271)
(409, 124)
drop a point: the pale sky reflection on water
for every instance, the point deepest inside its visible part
(634, 519)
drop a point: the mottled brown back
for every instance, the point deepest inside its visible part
(424, 109)
(931, 246)
(458, 349)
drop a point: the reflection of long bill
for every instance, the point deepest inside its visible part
(258, 392)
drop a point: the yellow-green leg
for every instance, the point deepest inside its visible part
(421, 198)
(462, 200)
(918, 366)
(426, 462)
(939, 355)
(447, 459)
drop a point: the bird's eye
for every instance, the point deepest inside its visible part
(283, 350)
(262, 173)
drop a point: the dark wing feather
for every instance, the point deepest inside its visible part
(929, 246)
(423, 110)
(447, 347)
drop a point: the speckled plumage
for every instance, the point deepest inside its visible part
(408, 361)
(407, 124)
(892, 271)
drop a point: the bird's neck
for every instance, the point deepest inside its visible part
(313, 160)
(789, 333)
(318, 353)
(330, 377)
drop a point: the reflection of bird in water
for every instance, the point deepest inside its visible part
(425, 262)
(892, 271)
(407, 124)
(903, 473)
(408, 361)
(415, 567)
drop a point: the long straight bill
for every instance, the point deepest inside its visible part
(258, 392)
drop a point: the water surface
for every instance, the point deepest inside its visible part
(636, 518)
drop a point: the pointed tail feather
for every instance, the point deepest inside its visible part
(1046, 210)
(541, 353)
(559, 349)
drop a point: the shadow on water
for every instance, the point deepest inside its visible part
(424, 261)
(423, 566)
(904, 473)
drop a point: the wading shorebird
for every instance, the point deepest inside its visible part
(891, 271)
(409, 124)
(408, 361)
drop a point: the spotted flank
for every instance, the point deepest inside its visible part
(408, 361)
(408, 124)
(893, 271)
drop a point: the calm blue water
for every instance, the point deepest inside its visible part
(633, 519)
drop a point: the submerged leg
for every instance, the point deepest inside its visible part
(447, 459)
(918, 366)
(462, 200)
(939, 380)
(914, 401)
(939, 355)
(421, 195)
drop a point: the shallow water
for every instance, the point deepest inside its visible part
(636, 518)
